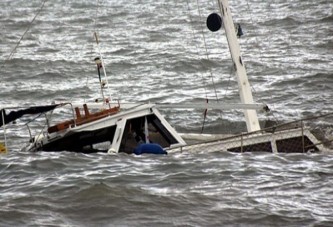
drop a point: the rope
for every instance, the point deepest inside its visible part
(196, 45)
(207, 56)
(260, 54)
(197, 52)
(28, 28)
(206, 50)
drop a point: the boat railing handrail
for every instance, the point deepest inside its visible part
(271, 129)
(79, 119)
(216, 106)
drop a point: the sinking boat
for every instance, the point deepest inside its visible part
(140, 128)
(111, 130)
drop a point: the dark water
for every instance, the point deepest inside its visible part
(154, 51)
(180, 190)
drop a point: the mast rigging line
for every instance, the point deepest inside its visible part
(206, 50)
(28, 28)
(255, 37)
(207, 57)
(260, 57)
(196, 45)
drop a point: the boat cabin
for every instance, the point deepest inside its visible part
(112, 130)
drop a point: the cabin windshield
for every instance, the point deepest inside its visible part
(134, 133)
(85, 141)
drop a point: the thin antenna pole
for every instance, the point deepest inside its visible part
(103, 66)
(99, 66)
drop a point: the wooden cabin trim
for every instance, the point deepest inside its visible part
(80, 120)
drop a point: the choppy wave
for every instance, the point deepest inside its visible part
(184, 189)
(154, 52)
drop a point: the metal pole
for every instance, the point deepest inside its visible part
(4, 128)
(102, 62)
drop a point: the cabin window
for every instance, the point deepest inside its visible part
(134, 133)
(89, 141)
(296, 145)
(260, 147)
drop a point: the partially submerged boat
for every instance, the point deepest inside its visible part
(111, 130)
(140, 128)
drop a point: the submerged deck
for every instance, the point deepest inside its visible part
(303, 136)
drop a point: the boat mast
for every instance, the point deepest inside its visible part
(245, 92)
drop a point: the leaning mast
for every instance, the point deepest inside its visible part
(245, 92)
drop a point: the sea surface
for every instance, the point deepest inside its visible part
(161, 51)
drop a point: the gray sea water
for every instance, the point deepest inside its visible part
(156, 51)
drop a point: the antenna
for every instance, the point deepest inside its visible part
(100, 64)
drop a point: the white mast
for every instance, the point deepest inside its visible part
(245, 93)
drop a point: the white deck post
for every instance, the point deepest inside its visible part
(4, 128)
(118, 135)
(245, 93)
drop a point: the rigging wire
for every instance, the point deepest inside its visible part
(206, 50)
(229, 81)
(196, 45)
(28, 28)
(207, 56)
(260, 54)
(197, 53)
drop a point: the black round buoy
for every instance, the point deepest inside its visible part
(214, 22)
